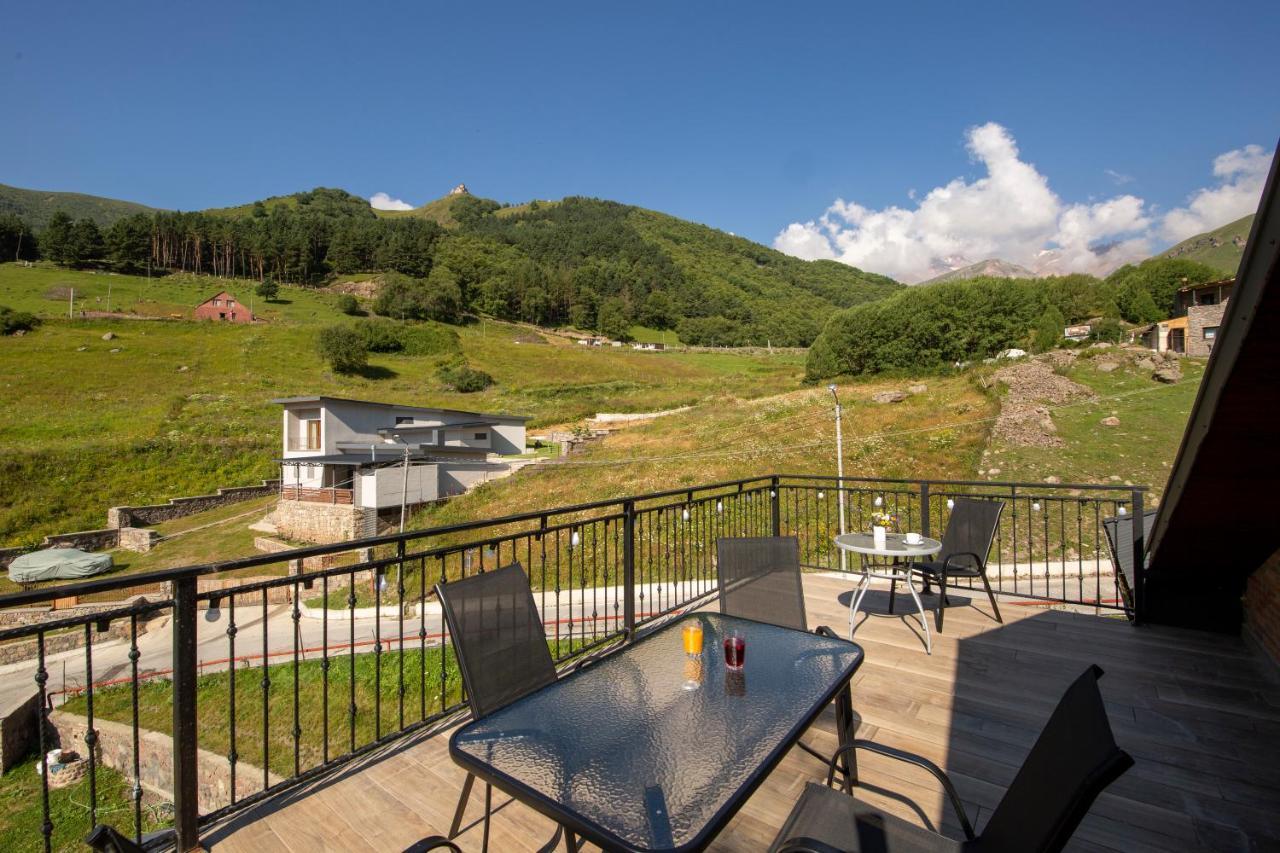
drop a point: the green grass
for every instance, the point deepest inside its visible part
(21, 813)
(1225, 256)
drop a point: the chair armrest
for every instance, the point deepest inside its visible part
(825, 631)
(804, 844)
(909, 758)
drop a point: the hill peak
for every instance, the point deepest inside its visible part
(460, 189)
(990, 268)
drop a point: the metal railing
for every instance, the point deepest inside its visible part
(320, 666)
(317, 494)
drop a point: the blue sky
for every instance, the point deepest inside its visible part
(748, 117)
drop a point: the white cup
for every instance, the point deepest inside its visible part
(914, 539)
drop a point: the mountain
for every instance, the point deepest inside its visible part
(36, 207)
(1220, 248)
(990, 268)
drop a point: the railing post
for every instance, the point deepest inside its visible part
(1139, 559)
(629, 568)
(924, 509)
(186, 806)
(774, 513)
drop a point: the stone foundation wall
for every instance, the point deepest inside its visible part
(1262, 608)
(140, 516)
(140, 539)
(1199, 316)
(155, 753)
(27, 649)
(18, 731)
(324, 524)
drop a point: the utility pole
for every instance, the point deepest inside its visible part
(71, 303)
(839, 468)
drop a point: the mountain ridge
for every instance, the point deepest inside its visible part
(989, 268)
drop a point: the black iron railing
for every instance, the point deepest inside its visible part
(314, 667)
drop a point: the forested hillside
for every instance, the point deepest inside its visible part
(936, 325)
(583, 262)
(37, 207)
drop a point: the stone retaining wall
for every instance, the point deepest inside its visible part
(155, 754)
(324, 524)
(27, 649)
(85, 540)
(141, 516)
(18, 731)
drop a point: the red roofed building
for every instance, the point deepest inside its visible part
(223, 307)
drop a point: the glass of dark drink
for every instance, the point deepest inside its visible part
(735, 651)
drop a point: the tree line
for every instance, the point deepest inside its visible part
(940, 324)
(586, 263)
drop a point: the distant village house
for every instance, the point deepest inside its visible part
(345, 463)
(1203, 307)
(224, 308)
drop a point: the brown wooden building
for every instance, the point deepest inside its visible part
(223, 307)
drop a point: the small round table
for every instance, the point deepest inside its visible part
(895, 547)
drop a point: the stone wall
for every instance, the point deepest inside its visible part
(1262, 608)
(155, 754)
(18, 731)
(1198, 317)
(140, 539)
(324, 524)
(85, 540)
(138, 516)
(27, 649)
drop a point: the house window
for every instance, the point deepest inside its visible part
(231, 303)
(1210, 332)
(1208, 299)
(481, 436)
(233, 315)
(217, 301)
(222, 315)
(401, 419)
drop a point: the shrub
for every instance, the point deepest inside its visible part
(268, 289)
(349, 305)
(16, 321)
(379, 335)
(1049, 330)
(343, 349)
(1109, 330)
(461, 377)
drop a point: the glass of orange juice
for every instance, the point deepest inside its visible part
(692, 635)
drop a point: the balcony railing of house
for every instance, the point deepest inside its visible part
(326, 495)
(293, 700)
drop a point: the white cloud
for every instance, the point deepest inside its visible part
(382, 201)
(1118, 178)
(1241, 174)
(1010, 213)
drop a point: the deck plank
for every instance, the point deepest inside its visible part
(1199, 713)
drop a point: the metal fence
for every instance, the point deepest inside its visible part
(281, 679)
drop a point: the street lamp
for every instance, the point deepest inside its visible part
(839, 468)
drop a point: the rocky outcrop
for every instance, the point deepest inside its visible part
(1024, 418)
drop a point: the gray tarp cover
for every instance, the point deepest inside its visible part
(55, 563)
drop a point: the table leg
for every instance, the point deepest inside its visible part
(863, 585)
(924, 623)
(848, 762)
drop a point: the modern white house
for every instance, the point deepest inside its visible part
(345, 462)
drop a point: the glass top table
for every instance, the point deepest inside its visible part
(652, 749)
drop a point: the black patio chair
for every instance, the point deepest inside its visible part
(759, 578)
(1074, 759)
(502, 651)
(965, 544)
(1120, 538)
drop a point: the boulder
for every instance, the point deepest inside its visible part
(81, 349)
(1012, 353)
(1145, 364)
(1111, 421)
(1052, 480)
(109, 336)
(1106, 366)
(889, 397)
(115, 349)
(1168, 375)
(1100, 345)
(918, 389)
(183, 369)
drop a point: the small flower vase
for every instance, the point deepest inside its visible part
(877, 535)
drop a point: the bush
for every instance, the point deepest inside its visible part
(268, 289)
(1108, 330)
(16, 321)
(343, 349)
(379, 335)
(350, 306)
(438, 297)
(1049, 330)
(406, 338)
(461, 377)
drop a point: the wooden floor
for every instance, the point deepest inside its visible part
(1200, 713)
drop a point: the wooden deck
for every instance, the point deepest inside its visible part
(1200, 713)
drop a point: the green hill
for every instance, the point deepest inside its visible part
(36, 207)
(1221, 248)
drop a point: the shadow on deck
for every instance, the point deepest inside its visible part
(1200, 713)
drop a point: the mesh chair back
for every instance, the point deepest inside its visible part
(970, 530)
(759, 579)
(1119, 532)
(498, 636)
(1074, 759)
